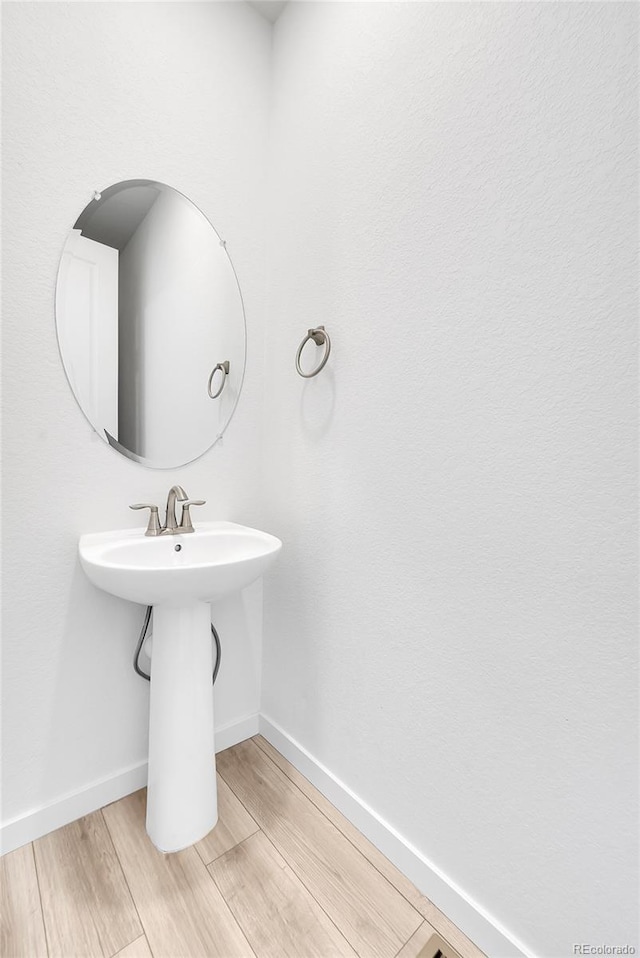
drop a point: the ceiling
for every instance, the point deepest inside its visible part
(114, 223)
(270, 9)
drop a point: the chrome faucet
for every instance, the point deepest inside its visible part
(170, 527)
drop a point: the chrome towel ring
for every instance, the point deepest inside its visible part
(224, 368)
(321, 338)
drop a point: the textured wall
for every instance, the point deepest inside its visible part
(450, 629)
(95, 93)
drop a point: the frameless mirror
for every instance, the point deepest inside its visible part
(150, 323)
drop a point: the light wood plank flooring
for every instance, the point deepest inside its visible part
(283, 875)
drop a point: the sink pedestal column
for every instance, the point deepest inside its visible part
(182, 802)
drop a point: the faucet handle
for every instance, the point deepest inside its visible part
(153, 529)
(185, 520)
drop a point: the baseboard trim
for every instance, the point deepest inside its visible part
(480, 926)
(238, 731)
(40, 821)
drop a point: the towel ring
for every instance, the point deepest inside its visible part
(224, 367)
(321, 338)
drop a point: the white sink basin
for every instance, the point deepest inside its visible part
(216, 559)
(179, 575)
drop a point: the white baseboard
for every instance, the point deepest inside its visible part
(238, 731)
(481, 927)
(41, 821)
(26, 828)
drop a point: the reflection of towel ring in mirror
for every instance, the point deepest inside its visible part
(224, 368)
(321, 338)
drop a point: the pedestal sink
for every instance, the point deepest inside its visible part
(179, 575)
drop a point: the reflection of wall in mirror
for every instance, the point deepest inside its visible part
(86, 312)
(180, 314)
(130, 350)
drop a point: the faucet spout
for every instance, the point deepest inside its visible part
(176, 493)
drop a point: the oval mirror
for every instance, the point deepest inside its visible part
(150, 323)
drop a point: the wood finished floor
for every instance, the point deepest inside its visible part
(283, 875)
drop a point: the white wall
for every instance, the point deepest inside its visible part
(96, 93)
(450, 627)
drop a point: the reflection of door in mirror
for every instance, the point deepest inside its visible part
(88, 287)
